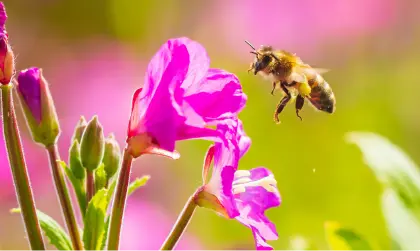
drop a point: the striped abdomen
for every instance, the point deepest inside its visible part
(322, 96)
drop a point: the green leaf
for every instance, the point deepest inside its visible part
(137, 183)
(340, 238)
(100, 177)
(105, 234)
(54, 232)
(392, 167)
(94, 231)
(403, 225)
(78, 186)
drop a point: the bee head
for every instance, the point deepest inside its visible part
(261, 62)
(263, 57)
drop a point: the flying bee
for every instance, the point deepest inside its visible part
(293, 75)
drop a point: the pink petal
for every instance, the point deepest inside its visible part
(219, 96)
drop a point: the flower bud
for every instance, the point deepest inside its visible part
(92, 145)
(75, 162)
(7, 64)
(112, 156)
(79, 129)
(38, 106)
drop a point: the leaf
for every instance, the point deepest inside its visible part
(79, 188)
(94, 221)
(340, 238)
(54, 232)
(137, 183)
(105, 234)
(100, 177)
(402, 224)
(392, 167)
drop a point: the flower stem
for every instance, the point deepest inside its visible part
(90, 185)
(19, 171)
(64, 197)
(119, 202)
(180, 225)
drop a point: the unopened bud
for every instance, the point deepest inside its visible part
(112, 156)
(92, 145)
(79, 129)
(38, 106)
(75, 162)
(7, 64)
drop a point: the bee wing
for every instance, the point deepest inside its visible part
(297, 77)
(321, 70)
(318, 70)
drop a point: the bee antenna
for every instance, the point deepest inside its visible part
(253, 52)
(275, 57)
(246, 41)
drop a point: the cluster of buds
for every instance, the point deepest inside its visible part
(92, 152)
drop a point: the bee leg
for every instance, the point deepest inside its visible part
(289, 85)
(274, 87)
(299, 104)
(282, 103)
(251, 67)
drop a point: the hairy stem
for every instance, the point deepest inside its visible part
(19, 170)
(90, 185)
(119, 202)
(180, 225)
(64, 197)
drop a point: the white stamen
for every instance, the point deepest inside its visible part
(240, 185)
(242, 173)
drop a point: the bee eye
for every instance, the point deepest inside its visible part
(266, 59)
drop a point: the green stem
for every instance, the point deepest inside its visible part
(90, 185)
(19, 171)
(119, 202)
(64, 197)
(180, 225)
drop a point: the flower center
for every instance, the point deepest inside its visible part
(243, 180)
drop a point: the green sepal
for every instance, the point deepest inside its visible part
(207, 200)
(54, 232)
(92, 145)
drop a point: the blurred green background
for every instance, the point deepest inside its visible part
(94, 54)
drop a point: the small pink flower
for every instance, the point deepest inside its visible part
(181, 98)
(240, 194)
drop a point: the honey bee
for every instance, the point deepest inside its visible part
(293, 75)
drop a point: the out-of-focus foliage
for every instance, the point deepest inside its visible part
(401, 180)
(341, 238)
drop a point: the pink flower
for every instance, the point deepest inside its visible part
(182, 96)
(240, 194)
